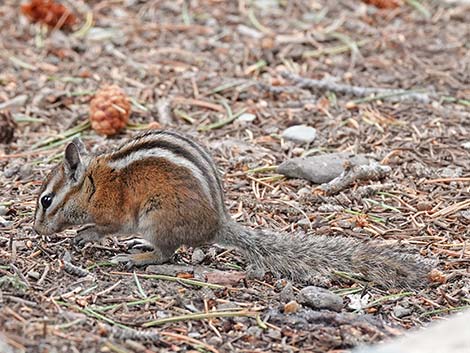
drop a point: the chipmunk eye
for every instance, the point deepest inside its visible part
(46, 200)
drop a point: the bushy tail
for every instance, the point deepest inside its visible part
(302, 258)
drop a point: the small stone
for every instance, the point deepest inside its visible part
(9, 172)
(3, 210)
(320, 169)
(304, 222)
(320, 298)
(344, 224)
(300, 134)
(5, 223)
(466, 145)
(275, 334)
(198, 256)
(287, 293)
(304, 192)
(297, 151)
(450, 172)
(25, 171)
(424, 206)
(215, 341)
(291, 307)
(246, 118)
(34, 274)
(350, 105)
(465, 214)
(254, 331)
(400, 311)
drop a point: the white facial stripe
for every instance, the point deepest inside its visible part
(168, 155)
(59, 196)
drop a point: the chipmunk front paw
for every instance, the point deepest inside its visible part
(87, 234)
(139, 244)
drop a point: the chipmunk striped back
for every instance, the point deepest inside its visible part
(176, 149)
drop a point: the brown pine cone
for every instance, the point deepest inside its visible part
(7, 127)
(109, 110)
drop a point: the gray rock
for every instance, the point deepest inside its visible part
(198, 256)
(450, 172)
(465, 214)
(400, 311)
(254, 331)
(5, 223)
(320, 298)
(25, 171)
(3, 210)
(304, 222)
(300, 134)
(9, 172)
(215, 341)
(246, 118)
(344, 224)
(287, 293)
(320, 169)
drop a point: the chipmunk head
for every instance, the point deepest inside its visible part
(62, 199)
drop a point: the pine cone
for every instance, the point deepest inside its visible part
(384, 4)
(109, 110)
(7, 127)
(49, 12)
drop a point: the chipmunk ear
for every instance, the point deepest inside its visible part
(80, 145)
(73, 161)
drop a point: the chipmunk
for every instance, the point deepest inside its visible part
(166, 187)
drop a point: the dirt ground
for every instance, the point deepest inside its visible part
(188, 64)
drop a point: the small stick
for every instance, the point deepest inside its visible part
(164, 111)
(190, 340)
(328, 84)
(172, 279)
(139, 286)
(446, 180)
(199, 103)
(352, 174)
(222, 123)
(198, 316)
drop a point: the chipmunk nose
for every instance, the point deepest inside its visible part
(35, 229)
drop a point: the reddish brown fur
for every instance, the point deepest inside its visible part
(169, 196)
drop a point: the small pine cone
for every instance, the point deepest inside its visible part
(7, 127)
(384, 4)
(109, 110)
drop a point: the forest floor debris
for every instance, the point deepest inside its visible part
(198, 67)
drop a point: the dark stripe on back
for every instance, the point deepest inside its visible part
(172, 147)
(204, 155)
